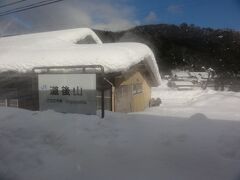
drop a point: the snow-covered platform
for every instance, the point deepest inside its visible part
(192, 135)
(54, 146)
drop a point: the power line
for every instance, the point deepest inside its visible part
(28, 7)
(12, 3)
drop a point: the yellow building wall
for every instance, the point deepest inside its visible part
(139, 101)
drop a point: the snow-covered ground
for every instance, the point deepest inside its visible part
(213, 104)
(184, 139)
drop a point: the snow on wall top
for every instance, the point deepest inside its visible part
(23, 53)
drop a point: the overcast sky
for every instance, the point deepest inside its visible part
(119, 14)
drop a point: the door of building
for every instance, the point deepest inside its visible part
(123, 98)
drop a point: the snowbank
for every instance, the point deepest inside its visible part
(54, 146)
(23, 53)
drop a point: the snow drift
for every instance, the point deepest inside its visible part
(54, 146)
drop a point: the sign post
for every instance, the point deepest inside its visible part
(102, 104)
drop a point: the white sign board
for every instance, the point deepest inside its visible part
(68, 93)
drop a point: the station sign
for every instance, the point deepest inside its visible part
(68, 93)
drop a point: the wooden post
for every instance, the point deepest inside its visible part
(113, 99)
(6, 103)
(113, 94)
(102, 101)
(205, 87)
(102, 92)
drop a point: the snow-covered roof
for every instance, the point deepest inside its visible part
(180, 74)
(183, 83)
(203, 75)
(48, 39)
(23, 53)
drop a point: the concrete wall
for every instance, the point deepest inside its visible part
(132, 101)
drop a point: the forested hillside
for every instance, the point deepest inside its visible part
(185, 46)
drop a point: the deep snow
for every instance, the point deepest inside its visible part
(214, 104)
(162, 144)
(59, 48)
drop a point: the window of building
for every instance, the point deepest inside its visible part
(137, 88)
(9, 103)
(3, 102)
(13, 103)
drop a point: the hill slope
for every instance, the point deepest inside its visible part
(185, 46)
